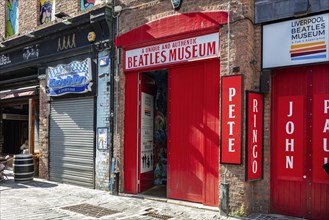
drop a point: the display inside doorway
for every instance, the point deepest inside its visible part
(160, 129)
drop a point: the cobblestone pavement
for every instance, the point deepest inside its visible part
(40, 199)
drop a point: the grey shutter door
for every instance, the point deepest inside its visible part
(71, 142)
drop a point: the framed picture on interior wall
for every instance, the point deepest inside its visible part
(102, 138)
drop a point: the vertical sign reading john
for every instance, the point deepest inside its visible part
(254, 128)
(231, 119)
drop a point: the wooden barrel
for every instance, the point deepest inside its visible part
(23, 167)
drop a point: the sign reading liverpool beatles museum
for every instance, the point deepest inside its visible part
(184, 50)
(295, 42)
(74, 77)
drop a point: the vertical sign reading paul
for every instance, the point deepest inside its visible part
(147, 133)
(254, 125)
(320, 137)
(231, 119)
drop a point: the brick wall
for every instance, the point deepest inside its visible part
(244, 47)
(102, 166)
(2, 19)
(29, 14)
(43, 129)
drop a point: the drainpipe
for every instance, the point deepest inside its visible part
(224, 186)
(113, 24)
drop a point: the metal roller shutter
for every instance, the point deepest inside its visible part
(71, 142)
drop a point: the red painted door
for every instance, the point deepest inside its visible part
(130, 133)
(193, 138)
(299, 141)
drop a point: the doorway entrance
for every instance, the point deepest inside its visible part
(153, 135)
(177, 112)
(19, 123)
(299, 140)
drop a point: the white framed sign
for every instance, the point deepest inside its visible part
(147, 121)
(184, 50)
(295, 42)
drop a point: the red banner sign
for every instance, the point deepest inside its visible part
(291, 137)
(254, 125)
(320, 137)
(231, 119)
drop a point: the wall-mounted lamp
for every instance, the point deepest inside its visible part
(66, 22)
(301, 8)
(63, 15)
(30, 35)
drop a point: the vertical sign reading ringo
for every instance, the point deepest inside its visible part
(231, 119)
(254, 125)
(147, 133)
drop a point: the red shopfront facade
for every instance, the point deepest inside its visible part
(171, 119)
(299, 115)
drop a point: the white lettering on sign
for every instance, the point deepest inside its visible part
(326, 129)
(290, 109)
(326, 126)
(231, 123)
(254, 137)
(289, 162)
(231, 144)
(290, 128)
(326, 106)
(231, 93)
(291, 143)
(172, 52)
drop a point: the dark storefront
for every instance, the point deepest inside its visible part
(65, 57)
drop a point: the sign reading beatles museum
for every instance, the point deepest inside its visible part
(184, 50)
(254, 125)
(298, 41)
(74, 77)
(231, 119)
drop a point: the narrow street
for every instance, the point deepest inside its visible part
(40, 199)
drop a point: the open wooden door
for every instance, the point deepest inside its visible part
(193, 132)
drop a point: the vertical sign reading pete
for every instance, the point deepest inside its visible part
(254, 125)
(231, 119)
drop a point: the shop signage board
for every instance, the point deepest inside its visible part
(74, 77)
(189, 49)
(295, 42)
(254, 129)
(232, 87)
(290, 144)
(320, 137)
(147, 132)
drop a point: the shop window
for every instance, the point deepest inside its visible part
(11, 17)
(47, 11)
(85, 4)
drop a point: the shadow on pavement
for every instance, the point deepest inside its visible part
(36, 183)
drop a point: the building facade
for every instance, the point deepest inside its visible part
(56, 87)
(222, 103)
(222, 132)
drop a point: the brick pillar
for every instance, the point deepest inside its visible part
(43, 129)
(240, 54)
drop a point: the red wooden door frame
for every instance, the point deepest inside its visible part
(131, 138)
(303, 195)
